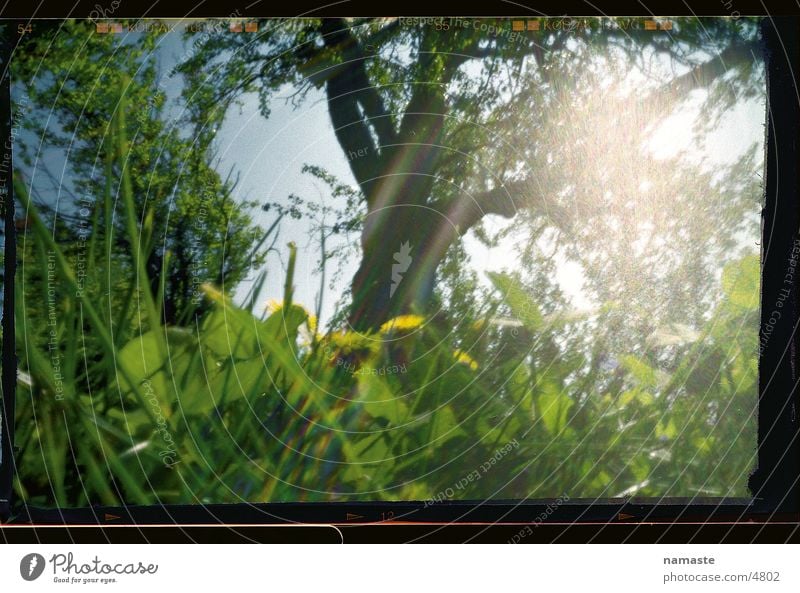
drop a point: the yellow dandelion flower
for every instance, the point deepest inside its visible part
(311, 322)
(464, 358)
(273, 306)
(308, 330)
(349, 341)
(402, 323)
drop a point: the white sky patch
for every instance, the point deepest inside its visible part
(739, 128)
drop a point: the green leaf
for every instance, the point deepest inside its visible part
(636, 395)
(444, 426)
(232, 332)
(141, 360)
(175, 383)
(517, 298)
(378, 400)
(668, 429)
(553, 406)
(644, 374)
(373, 448)
(284, 324)
(243, 379)
(130, 420)
(740, 281)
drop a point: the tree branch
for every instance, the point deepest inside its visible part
(466, 210)
(339, 37)
(704, 74)
(427, 105)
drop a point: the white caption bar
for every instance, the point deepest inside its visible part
(399, 569)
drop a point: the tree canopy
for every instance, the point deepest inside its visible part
(451, 124)
(191, 229)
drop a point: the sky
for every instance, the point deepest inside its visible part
(270, 154)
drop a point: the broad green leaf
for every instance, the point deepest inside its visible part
(232, 332)
(379, 401)
(180, 379)
(248, 379)
(553, 407)
(142, 363)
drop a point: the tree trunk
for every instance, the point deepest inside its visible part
(402, 249)
(405, 234)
